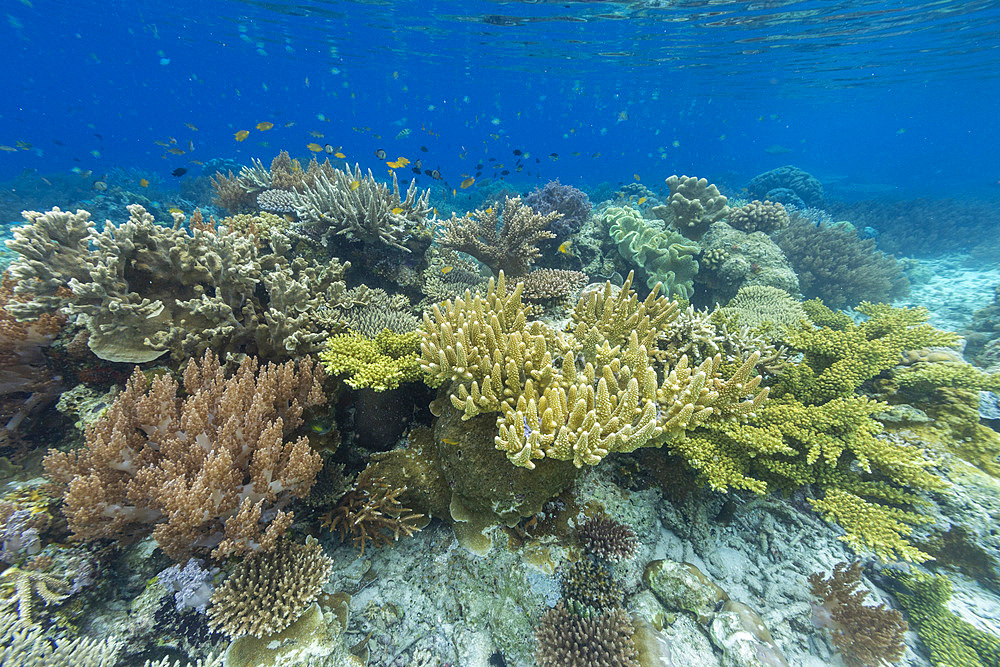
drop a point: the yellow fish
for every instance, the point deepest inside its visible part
(144, 183)
(564, 247)
(197, 162)
(449, 441)
(355, 184)
(397, 210)
(191, 127)
(402, 161)
(174, 209)
(642, 200)
(446, 269)
(314, 147)
(467, 182)
(241, 135)
(266, 125)
(316, 133)
(635, 176)
(340, 155)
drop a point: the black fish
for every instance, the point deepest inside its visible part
(427, 172)
(179, 171)
(517, 151)
(380, 154)
(504, 172)
(415, 170)
(423, 148)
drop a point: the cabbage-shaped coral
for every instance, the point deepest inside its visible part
(662, 255)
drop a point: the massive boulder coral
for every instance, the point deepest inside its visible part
(733, 259)
(143, 290)
(788, 185)
(211, 471)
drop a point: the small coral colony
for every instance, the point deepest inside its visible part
(205, 418)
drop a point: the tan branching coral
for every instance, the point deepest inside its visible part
(371, 513)
(212, 470)
(867, 636)
(24, 586)
(342, 202)
(269, 591)
(552, 286)
(35, 647)
(231, 195)
(510, 247)
(580, 395)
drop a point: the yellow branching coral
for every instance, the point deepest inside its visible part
(578, 395)
(379, 363)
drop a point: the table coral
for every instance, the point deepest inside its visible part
(210, 471)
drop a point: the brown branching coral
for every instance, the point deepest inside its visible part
(600, 640)
(231, 195)
(269, 591)
(512, 247)
(212, 470)
(866, 636)
(371, 513)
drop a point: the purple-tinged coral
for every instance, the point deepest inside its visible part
(191, 584)
(608, 539)
(574, 204)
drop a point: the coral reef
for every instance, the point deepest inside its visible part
(372, 513)
(949, 639)
(758, 216)
(833, 264)
(572, 203)
(268, 591)
(494, 362)
(510, 247)
(662, 255)
(866, 636)
(378, 363)
(777, 183)
(148, 289)
(35, 647)
(603, 639)
(551, 289)
(739, 259)
(607, 539)
(210, 471)
(353, 204)
(765, 308)
(692, 207)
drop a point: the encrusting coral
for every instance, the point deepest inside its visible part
(268, 591)
(212, 470)
(510, 247)
(866, 636)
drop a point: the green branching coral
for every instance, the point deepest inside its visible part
(663, 255)
(582, 394)
(949, 639)
(379, 363)
(840, 355)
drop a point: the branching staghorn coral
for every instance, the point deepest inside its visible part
(510, 247)
(378, 363)
(209, 471)
(341, 202)
(581, 395)
(22, 646)
(371, 513)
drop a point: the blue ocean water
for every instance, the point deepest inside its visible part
(871, 97)
(709, 547)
